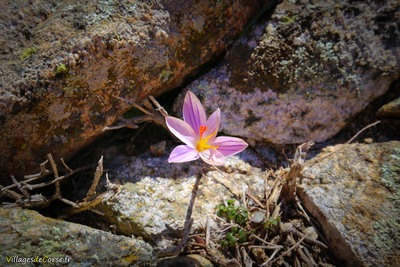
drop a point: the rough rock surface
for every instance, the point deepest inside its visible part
(304, 73)
(390, 110)
(188, 261)
(355, 196)
(63, 61)
(155, 194)
(27, 234)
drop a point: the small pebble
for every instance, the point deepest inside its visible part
(158, 149)
(257, 216)
(368, 140)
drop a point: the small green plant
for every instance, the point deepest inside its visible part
(229, 241)
(234, 236)
(61, 69)
(236, 214)
(27, 53)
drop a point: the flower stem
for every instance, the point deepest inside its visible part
(172, 251)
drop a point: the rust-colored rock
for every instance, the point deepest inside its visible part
(62, 63)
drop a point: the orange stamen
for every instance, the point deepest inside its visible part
(202, 129)
(202, 143)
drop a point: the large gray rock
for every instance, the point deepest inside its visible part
(304, 73)
(26, 234)
(153, 200)
(63, 61)
(355, 196)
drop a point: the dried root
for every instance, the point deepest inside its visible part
(21, 191)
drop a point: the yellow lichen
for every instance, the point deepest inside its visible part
(61, 69)
(27, 53)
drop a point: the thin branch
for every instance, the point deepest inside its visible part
(66, 166)
(255, 199)
(152, 111)
(313, 161)
(39, 201)
(9, 193)
(304, 212)
(97, 175)
(270, 260)
(112, 189)
(35, 186)
(55, 171)
(79, 207)
(69, 202)
(289, 250)
(265, 242)
(159, 108)
(135, 105)
(126, 124)
(306, 237)
(289, 187)
(223, 184)
(20, 187)
(362, 130)
(43, 171)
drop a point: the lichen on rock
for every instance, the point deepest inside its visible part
(354, 195)
(27, 234)
(306, 71)
(387, 237)
(129, 49)
(153, 201)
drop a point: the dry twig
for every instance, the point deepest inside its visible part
(311, 162)
(153, 112)
(289, 187)
(28, 184)
(98, 173)
(269, 243)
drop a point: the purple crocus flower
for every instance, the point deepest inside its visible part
(200, 135)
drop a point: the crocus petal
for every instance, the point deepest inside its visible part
(212, 157)
(193, 112)
(183, 153)
(229, 146)
(212, 124)
(182, 131)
